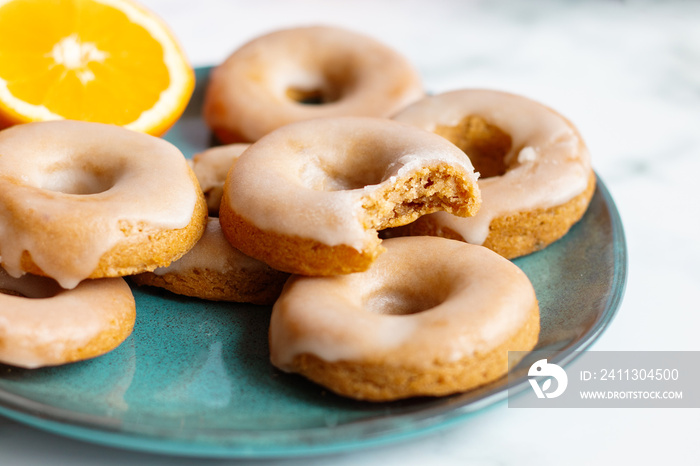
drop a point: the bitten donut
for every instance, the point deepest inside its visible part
(42, 324)
(309, 197)
(536, 176)
(211, 167)
(431, 316)
(87, 200)
(304, 73)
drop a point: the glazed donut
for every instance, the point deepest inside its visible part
(42, 324)
(309, 197)
(216, 271)
(264, 84)
(211, 167)
(213, 269)
(415, 323)
(536, 176)
(82, 200)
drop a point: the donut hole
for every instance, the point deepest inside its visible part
(317, 90)
(78, 180)
(213, 197)
(401, 301)
(324, 85)
(487, 146)
(28, 286)
(308, 96)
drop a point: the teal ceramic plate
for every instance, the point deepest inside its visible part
(194, 378)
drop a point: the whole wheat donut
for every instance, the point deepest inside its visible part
(536, 176)
(309, 197)
(431, 316)
(87, 200)
(213, 269)
(211, 167)
(263, 85)
(42, 324)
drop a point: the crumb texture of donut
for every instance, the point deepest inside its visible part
(424, 191)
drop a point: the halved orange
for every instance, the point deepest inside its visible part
(107, 61)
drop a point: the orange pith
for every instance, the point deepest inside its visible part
(106, 61)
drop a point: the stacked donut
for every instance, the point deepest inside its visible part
(332, 142)
(214, 269)
(79, 208)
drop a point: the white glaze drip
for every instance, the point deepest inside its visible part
(553, 164)
(129, 179)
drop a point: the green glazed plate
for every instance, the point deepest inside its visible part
(194, 377)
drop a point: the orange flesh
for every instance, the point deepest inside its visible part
(80, 59)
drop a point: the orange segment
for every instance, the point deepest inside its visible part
(108, 61)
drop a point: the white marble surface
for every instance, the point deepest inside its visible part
(628, 75)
